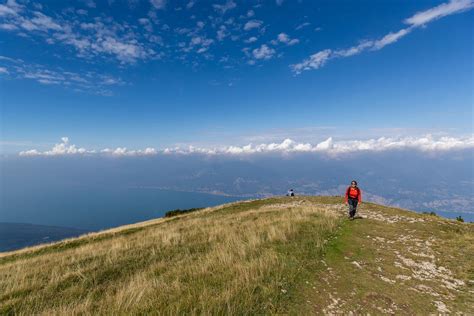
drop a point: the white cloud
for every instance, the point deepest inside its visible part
(200, 24)
(196, 40)
(102, 37)
(158, 4)
(13, 4)
(223, 8)
(390, 38)
(11, 60)
(10, 8)
(284, 38)
(427, 144)
(64, 148)
(8, 27)
(318, 60)
(279, 2)
(6, 10)
(89, 82)
(452, 7)
(91, 4)
(202, 50)
(3, 70)
(251, 40)
(123, 151)
(125, 51)
(302, 25)
(61, 149)
(263, 52)
(252, 24)
(222, 33)
(354, 50)
(44, 22)
(314, 61)
(200, 43)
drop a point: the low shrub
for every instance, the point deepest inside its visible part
(180, 212)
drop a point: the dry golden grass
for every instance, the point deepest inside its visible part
(279, 255)
(239, 258)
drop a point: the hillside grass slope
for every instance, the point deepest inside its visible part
(279, 255)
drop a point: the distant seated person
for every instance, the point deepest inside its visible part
(290, 192)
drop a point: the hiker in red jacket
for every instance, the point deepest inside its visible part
(353, 197)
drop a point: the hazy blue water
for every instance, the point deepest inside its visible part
(100, 207)
(95, 208)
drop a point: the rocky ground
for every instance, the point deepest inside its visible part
(395, 262)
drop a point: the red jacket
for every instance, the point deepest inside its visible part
(353, 193)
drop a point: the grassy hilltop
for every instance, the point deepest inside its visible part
(279, 255)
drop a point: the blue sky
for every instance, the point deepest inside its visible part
(161, 74)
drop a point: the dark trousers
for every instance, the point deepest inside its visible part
(352, 206)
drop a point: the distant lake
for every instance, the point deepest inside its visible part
(96, 208)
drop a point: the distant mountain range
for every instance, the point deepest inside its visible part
(18, 235)
(101, 192)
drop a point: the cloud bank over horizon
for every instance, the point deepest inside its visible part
(440, 181)
(425, 144)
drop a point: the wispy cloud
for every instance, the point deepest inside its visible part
(11, 8)
(100, 37)
(223, 8)
(252, 24)
(190, 4)
(330, 146)
(158, 4)
(88, 81)
(445, 9)
(96, 37)
(251, 39)
(302, 25)
(390, 38)
(314, 61)
(222, 33)
(319, 59)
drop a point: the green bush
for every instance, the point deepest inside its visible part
(179, 211)
(460, 219)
